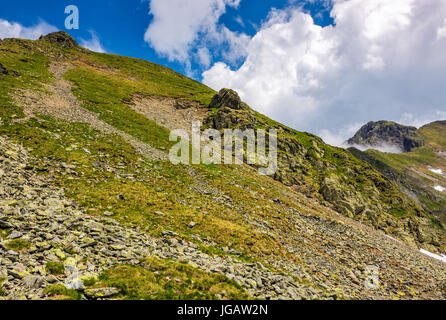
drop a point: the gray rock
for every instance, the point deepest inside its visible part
(192, 224)
(97, 164)
(13, 253)
(169, 233)
(227, 98)
(15, 235)
(51, 279)
(74, 284)
(33, 282)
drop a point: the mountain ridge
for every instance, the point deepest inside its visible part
(375, 134)
(89, 130)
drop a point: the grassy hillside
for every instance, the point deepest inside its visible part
(337, 178)
(266, 238)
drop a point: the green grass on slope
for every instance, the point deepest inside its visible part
(153, 186)
(105, 94)
(154, 79)
(158, 280)
(105, 84)
(435, 134)
(107, 174)
(108, 93)
(60, 292)
(414, 165)
(169, 280)
(18, 245)
(419, 157)
(31, 71)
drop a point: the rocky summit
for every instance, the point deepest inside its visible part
(375, 134)
(61, 39)
(91, 208)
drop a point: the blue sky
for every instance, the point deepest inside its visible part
(322, 66)
(120, 25)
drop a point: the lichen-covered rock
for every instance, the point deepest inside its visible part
(101, 293)
(33, 282)
(227, 98)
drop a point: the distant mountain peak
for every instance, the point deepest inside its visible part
(376, 134)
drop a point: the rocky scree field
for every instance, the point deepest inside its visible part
(90, 207)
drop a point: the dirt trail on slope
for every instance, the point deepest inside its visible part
(62, 104)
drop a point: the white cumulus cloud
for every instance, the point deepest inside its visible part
(17, 30)
(93, 44)
(381, 60)
(179, 26)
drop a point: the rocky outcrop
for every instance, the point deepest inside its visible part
(227, 98)
(231, 112)
(376, 134)
(62, 39)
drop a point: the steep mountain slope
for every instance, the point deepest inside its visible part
(421, 172)
(86, 186)
(334, 176)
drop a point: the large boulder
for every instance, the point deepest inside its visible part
(227, 98)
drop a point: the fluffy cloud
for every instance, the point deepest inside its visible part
(16, 30)
(380, 60)
(179, 26)
(94, 44)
